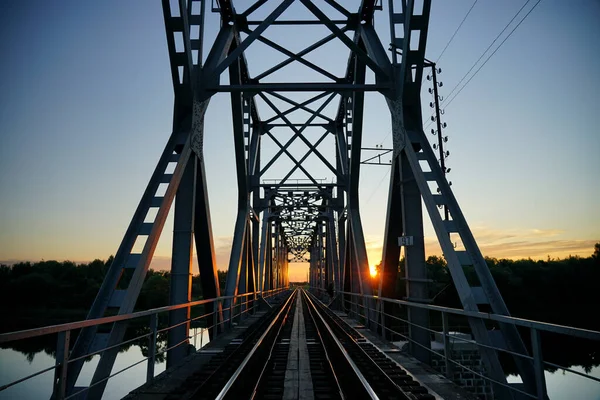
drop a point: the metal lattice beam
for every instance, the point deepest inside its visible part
(297, 217)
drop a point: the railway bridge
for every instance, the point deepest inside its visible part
(345, 335)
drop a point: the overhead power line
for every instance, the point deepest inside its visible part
(491, 55)
(487, 49)
(456, 31)
(377, 187)
(450, 99)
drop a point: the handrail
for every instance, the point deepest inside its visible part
(555, 328)
(46, 330)
(367, 311)
(63, 331)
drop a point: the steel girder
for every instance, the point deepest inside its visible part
(124, 280)
(415, 169)
(304, 219)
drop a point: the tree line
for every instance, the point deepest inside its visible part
(40, 293)
(561, 291)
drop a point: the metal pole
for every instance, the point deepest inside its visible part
(439, 128)
(181, 265)
(62, 359)
(447, 349)
(538, 363)
(152, 347)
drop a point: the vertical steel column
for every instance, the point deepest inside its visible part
(405, 107)
(284, 263)
(277, 255)
(326, 258)
(262, 264)
(286, 278)
(268, 257)
(388, 275)
(251, 281)
(255, 240)
(313, 265)
(181, 265)
(342, 249)
(333, 251)
(416, 272)
(243, 281)
(356, 105)
(319, 258)
(237, 248)
(205, 250)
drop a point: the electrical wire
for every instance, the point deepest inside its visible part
(456, 31)
(377, 187)
(386, 136)
(487, 49)
(491, 55)
(449, 100)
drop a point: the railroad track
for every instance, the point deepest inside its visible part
(363, 371)
(342, 363)
(222, 377)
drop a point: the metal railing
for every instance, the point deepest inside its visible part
(242, 305)
(370, 311)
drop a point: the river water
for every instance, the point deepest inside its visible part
(15, 365)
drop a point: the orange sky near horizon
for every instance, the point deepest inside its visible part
(512, 244)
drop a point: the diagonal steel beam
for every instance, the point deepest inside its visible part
(300, 106)
(309, 176)
(375, 49)
(289, 142)
(253, 7)
(253, 36)
(296, 57)
(283, 117)
(297, 106)
(291, 171)
(302, 53)
(347, 41)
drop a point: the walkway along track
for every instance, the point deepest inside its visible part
(380, 376)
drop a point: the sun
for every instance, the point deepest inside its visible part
(372, 271)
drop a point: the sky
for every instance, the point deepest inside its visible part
(86, 104)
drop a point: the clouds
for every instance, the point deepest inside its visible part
(530, 243)
(507, 243)
(499, 243)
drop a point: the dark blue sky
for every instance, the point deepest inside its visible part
(86, 107)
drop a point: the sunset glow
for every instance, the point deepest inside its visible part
(372, 271)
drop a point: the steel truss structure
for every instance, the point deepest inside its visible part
(298, 217)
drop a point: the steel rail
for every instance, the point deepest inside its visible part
(262, 372)
(351, 339)
(238, 371)
(47, 330)
(531, 324)
(351, 362)
(318, 331)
